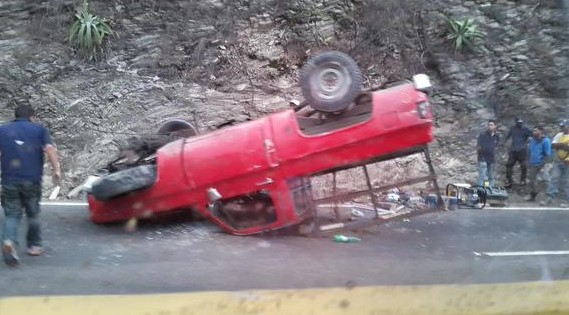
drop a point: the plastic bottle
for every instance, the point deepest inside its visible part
(339, 238)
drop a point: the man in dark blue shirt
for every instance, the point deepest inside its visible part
(520, 135)
(486, 149)
(22, 146)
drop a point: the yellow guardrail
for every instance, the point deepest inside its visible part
(517, 298)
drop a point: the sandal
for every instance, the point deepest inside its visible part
(35, 251)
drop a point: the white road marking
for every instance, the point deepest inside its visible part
(64, 203)
(528, 253)
(527, 208)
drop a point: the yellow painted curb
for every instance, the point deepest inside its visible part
(519, 298)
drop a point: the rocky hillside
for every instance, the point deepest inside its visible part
(215, 62)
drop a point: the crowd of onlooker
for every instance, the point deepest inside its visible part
(531, 149)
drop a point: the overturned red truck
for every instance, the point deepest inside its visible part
(255, 176)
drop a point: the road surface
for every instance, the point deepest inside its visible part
(457, 247)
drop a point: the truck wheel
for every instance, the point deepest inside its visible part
(331, 81)
(177, 127)
(125, 181)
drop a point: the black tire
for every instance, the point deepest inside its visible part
(125, 181)
(315, 79)
(177, 127)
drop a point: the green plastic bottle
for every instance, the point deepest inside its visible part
(340, 238)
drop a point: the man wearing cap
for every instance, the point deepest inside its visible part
(560, 170)
(22, 146)
(520, 135)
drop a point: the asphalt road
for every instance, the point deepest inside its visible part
(438, 248)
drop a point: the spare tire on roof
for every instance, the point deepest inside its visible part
(330, 81)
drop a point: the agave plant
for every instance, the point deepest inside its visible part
(463, 33)
(88, 32)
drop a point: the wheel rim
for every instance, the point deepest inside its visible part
(331, 81)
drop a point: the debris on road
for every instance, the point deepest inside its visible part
(340, 238)
(130, 225)
(357, 213)
(54, 192)
(75, 191)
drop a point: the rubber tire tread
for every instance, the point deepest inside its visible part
(338, 104)
(125, 181)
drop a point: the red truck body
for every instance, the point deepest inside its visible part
(273, 156)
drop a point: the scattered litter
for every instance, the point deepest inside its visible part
(398, 208)
(75, 191)
(416, 199)
(357, 213)
(431, 201)
(294, 102)
(340, 238)
(331, 226)
(55, 192)
(393, 197)
(130, 226)
(387, 205)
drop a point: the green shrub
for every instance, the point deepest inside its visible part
(463, 33)
(88, 32)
